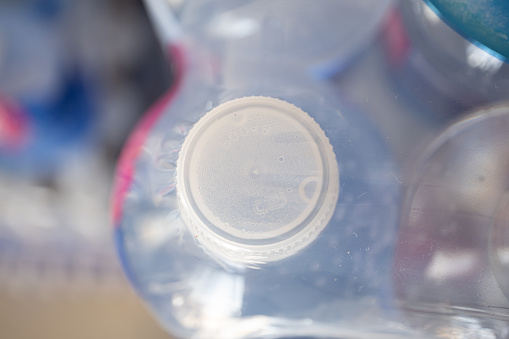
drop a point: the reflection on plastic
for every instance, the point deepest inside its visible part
(193, 223)
(450, 259)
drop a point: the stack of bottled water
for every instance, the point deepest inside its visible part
(306, 176)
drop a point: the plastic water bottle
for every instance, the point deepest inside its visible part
(254, 203)
(442, 105)
(257, 200)
(451, 267)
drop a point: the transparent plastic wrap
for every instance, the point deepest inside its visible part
(267, 196)
(288, 228)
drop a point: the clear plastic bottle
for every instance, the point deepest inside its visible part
(257, 200)
(257, 204)
(275, 225)
(451, 269)
(271, 263)
(442, 106)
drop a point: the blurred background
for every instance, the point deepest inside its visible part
(75, 76)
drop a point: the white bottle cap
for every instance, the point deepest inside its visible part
(257, 180)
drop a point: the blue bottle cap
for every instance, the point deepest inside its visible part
(484, 22)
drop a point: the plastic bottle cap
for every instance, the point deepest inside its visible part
(257, 180)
